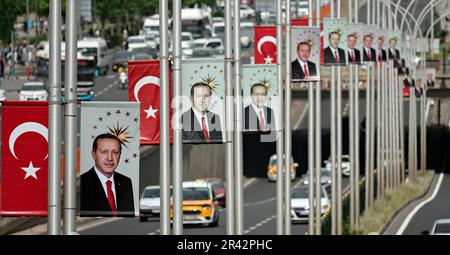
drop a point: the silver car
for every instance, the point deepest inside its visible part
(441, 227)
(325, 177)
(300, 203)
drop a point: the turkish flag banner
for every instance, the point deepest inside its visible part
(144, 87)
(24, 172)
(265, 45)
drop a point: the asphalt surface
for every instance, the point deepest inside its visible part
(438, 208)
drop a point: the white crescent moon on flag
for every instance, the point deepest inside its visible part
(267, 38)
(142, 82)
(25, 128)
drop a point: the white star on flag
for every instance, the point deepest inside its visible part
(151, 112)
(268, 59)
(30, 170)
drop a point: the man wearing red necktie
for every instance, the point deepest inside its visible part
(257, 116)
(353, 53)
(368, 52)
(103, 191)
(333, 54)
(381, 54)
(199, 124)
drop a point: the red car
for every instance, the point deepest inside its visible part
(218, 186)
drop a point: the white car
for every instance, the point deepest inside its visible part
(208, 43)
(441, 227)
(325, 177)
(137, 42)
(345, 165)
(2, 95)
(300, 203)
(246, 12)
(149, 204)
(33, 91)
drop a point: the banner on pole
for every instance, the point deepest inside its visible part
(24, 174)
(109, 151)
(144, 87)
(260, 88)
(305, 54)
(335, 41)
(265, 47)
(203, 111)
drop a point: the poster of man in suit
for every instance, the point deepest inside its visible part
(335, 41)
(367, 42)
(203, 108)
(381, 45)
(259, 83)
(305, 54)
(395, 47)
(109, 159)
(430, 77)
(353, 40)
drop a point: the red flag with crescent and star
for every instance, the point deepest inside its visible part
(144, 87)
(24, 172)
(265, 45)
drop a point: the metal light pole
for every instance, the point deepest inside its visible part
(311, 151)
(229, 153)
(287, 119)
(164, 125)
(238, 142)
(339, 139)
(280, 162)
(318, 141)
(351, 130)
(70, 118)
(54, 129)
(356, 130)
(177, 125)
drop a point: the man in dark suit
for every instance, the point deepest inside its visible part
(381, 54)
(302, 68)
(333, 54)
(199, 124)
(104, 192)
(394, 53)
(430, 80)
(368, 51)
(354, 56)
(259, 117)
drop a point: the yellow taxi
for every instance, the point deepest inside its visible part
(199, 204)
(272, 168)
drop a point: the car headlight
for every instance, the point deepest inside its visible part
(91, 92)
(206, 207)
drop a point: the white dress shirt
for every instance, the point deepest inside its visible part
(103, 180)
(198, 116)
(258, 110)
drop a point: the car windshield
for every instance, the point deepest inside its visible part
(151, 193)
(122, 54)
(219, 29)
(217, 185)
(202, 53)
(303, 192)
(152, 28)
(194, 194)
(442, 228)
(136, 41)
(185, 38)
(88, 51)
(33, 87)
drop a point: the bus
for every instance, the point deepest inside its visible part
(95, 47)
(86, 66)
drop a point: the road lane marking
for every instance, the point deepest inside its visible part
(97, 223)
(417, 208)
(259, 224)
(154, 232)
